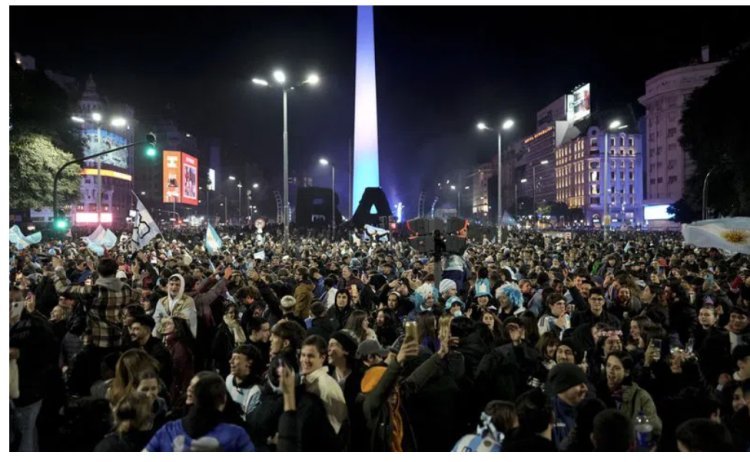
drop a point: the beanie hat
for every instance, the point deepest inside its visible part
(288, 302)
(446, 285)
(348, 343)
(370, 347)
(453, 300)
(572, 345)
(564, 376)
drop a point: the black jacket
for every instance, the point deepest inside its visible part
(377, 413)
(222, 346)
(39, 353)
(125, 442)
(580, 318)
(158, 351)
(308, 428)
(338, 317)
(263, 421)
(323, 327)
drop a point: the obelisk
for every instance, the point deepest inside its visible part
(366, 171)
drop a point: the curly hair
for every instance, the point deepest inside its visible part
(513, 292)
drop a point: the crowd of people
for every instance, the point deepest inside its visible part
(536, 343)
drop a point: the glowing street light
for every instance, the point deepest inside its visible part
(312, 79)
(324, 161)
(96, 117)
(256, 186)
(279, 76)
(506, 125)
(78, 120)
(118, 122)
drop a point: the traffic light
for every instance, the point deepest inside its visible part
(151, 150)
(61, 224)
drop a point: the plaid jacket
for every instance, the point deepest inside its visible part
(104, 302)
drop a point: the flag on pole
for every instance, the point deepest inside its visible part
(213, 241)
(145, 228)
(730, 234)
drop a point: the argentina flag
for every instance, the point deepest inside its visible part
(213, 241)
(730, 234)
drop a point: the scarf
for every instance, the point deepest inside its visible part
(236, 329)
(397, 423)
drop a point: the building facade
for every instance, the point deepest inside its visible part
(579, 176)
(535, 170)
(106, 181)
(667, 165)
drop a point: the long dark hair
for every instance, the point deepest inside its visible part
(354, 324)
(204, 415)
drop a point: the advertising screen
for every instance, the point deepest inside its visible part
(98, 140)
(656, 212)
(172, 176)
(579, 103)
(189, 179)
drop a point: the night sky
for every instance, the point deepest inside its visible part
(439, 70)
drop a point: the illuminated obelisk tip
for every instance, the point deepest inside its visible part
(366, 171)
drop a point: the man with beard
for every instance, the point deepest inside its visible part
(624, 306)
(140, 334)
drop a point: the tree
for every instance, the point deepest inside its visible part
(683, 212)
(42, 139)
(559, 210)
(577, 214)
(34, 160)
(38, 105)
(715, 135)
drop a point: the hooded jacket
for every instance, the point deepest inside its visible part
(182, 306)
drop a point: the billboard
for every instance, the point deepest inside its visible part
(211, 183)
(189, 179)
(579, 103)
(656, 212)
(99, 140)
(172, 176)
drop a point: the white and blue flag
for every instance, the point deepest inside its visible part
(213, 241)
(20, 241)
(730, 234)
(145, 228)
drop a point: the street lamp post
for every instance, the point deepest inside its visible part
(614, 125)
(150, 139)
(325, 161)
(280, 78)
(239, 204)
(705, 192)
(505, 126)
